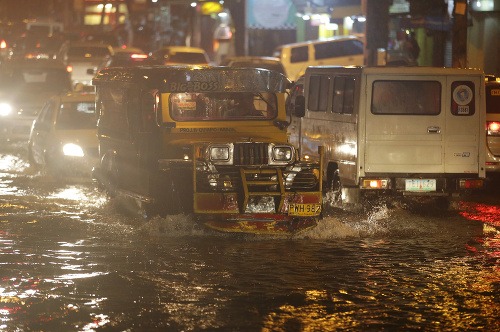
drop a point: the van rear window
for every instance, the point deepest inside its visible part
(493, 99)
(406, 97)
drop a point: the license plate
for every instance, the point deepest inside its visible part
(420, 185)
(304, 210)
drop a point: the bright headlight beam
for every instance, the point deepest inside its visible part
(73, 150)
(5, 109)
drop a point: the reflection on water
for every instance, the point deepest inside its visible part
(69, 261)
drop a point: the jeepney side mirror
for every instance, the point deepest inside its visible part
(300, 106)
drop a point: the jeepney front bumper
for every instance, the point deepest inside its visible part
(293, 190)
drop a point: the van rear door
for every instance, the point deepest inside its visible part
(422, 124)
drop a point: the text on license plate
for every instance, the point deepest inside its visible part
(302, 210)
(420, 184)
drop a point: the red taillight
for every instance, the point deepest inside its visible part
(69, 68)
(3, 44)
(493, 128)
(471, 184)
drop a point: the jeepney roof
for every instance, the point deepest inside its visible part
(196, 79)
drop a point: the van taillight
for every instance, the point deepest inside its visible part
(375, 184)
(471, 183)
(493, 128)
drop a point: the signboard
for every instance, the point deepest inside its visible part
(270, 15)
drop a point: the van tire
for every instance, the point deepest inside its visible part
(333, 187)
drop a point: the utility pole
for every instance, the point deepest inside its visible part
(459, 39)
(377, 28)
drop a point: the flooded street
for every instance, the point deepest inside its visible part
(71, 260)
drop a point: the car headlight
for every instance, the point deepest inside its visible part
(221, 154)
(281, 154)
(73, 150)
(5, 109)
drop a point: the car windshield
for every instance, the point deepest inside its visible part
(223, 106)
(77, 115)
(493, 99)
(276, 66)
(186, 57)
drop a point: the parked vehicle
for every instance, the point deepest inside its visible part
(265, 62)
(82, 56)
(208, 140)
(493, 126)
(412, 131)
(25, 86)
(179, 55)
(63, 138)
(339, 51)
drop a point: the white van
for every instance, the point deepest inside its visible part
(405, 130)
(338, 51)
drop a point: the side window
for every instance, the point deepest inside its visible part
(47, 111)
(343, 95)
(352, 47)
(327, 50)
(318, 93)
(299, 54)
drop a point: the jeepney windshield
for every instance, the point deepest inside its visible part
(214, 106)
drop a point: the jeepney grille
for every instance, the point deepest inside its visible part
(251, 154)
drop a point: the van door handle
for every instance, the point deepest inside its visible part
(434, 130)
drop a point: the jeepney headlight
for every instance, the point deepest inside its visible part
(5, 109)
(73, 150)
(281, 154)
(221, 154)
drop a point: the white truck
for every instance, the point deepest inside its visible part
(400, 130)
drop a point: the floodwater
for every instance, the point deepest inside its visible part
(72, 260)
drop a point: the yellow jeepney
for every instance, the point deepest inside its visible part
(208, 141)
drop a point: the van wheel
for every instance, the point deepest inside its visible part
(333, 189)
